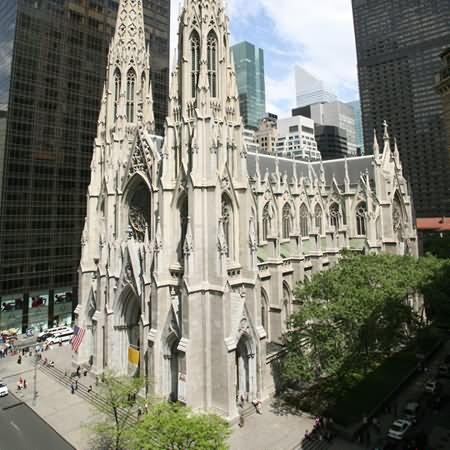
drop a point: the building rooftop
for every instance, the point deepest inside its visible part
(433, 224)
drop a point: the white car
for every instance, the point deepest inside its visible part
(399, 428)
(430, 386)
(3, 389)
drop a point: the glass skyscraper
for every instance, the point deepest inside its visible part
(356, 106)
(310, 90)
(52, 70)
(398, 46)
(249, 63)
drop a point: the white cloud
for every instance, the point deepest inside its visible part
(318, 34)
(280, 95)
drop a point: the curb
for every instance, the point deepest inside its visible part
(43, 420)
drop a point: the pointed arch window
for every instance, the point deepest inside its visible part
(266, 222)
(227, 221)
(117, 87)
(265, 312)
(286, 221)
(361, 212)
(212, 63)
(286, 304)
(318, 218)
(195, 62)
(131, 90)
(304, 220)
(334, 215)
(143, 79)
(397, 216)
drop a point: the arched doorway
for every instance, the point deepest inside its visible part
(127, 334)
(245, 370)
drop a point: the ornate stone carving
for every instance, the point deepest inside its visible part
(138, 222)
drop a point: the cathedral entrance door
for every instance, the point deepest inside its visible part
(127, 335)
(174, 369)
(244, 372)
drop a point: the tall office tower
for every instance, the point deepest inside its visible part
(331, 141)
(356, 107)
(335, 114)
(296, 139)
(443, 87)
(51, 83)
(310, 89)
(398, 46)
(249, 65)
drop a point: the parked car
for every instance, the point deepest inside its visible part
(3, 389)
(399, 428)
(431, 386)
(60, 336)
(410, 411)
(444, 370)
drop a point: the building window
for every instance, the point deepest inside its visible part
(318, 218)
(286, 221)
(212, 63)
(361, 211)
(304, 229)
(131, 87)
(334, 215)
(195, 62)
(266, 222)
(265, 313)
(117, 86)
(143, 88)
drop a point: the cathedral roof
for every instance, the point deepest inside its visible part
(332, 168)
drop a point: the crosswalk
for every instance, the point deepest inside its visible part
(313, 444)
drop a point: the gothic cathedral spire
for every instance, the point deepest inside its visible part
(127, 95)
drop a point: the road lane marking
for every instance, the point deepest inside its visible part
(15, 426)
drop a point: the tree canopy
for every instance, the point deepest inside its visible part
(177, 428)
(354, 315)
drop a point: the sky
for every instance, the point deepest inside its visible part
(315, 34)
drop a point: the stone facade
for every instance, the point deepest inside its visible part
(192, 245)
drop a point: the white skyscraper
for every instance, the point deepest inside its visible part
(310, 89)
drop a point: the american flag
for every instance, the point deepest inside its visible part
(78, 334)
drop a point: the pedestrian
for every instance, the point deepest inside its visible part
(76, 385)
(96, 380)
(24, 383)
(72, 388)
(78, 371)
(89, 389)
(139, 412)
(19, 360)
(85, 372)
(241, 419)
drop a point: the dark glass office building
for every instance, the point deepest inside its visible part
(398, 46)
(249, 64)
(52, 70)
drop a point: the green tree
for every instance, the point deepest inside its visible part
(353, 316)
(170, 426)
(437, 290)
(121, 402)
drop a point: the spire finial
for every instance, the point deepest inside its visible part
(376, 147)
(385, 133)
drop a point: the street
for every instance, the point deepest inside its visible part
(22, 429)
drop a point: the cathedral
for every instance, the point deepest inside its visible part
(192, 245)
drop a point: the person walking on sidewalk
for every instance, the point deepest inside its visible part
(72, 388)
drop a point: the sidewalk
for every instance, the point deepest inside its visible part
(275, 429)
(68, 414)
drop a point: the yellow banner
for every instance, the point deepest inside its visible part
(133, 356)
